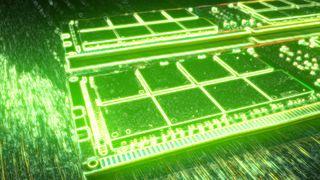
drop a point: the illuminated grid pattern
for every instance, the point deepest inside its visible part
(142, 28)
(185, 97)
(280, 10)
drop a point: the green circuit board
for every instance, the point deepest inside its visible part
(148, 83)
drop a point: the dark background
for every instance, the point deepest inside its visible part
(36, 139)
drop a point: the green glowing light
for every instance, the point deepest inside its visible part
(149, 83)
